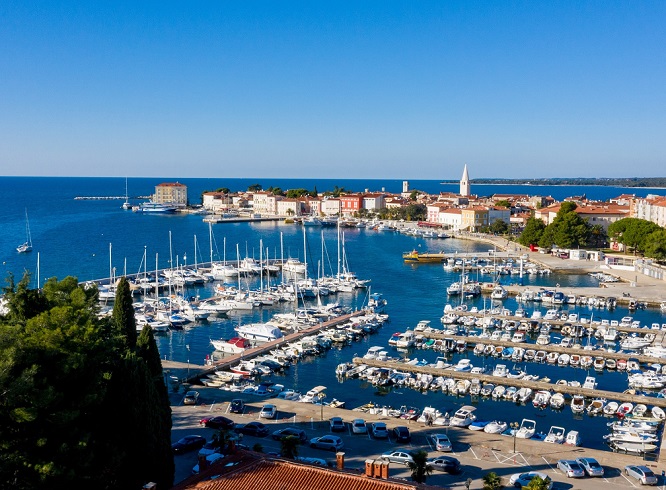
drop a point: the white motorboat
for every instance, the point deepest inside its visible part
(633, 447)
(625, 409)
(658, 413)
(406, 340)
(639, 410)
(631, 436)
(315, 395)
(557, 401)
(578, 404)
(260, 332)
(590, 383)
(498, 392)
(495, 427)
(610, 408)
(499, 292)
(235, 345)
(526, 430)
(500, 371)
(555, 435)
(463, 417)
(572, 438)
(541, 399)
(596, 406)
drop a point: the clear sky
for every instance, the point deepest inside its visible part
(354, 89)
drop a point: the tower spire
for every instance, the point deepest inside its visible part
(464, 183)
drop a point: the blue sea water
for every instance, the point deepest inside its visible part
(88, 238)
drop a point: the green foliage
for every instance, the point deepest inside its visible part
(258, 448)
(254, 188)
(336, 192)
(532, 232)
(123, 314)
(538, 483)
(419, 466)
(413, 195)
(289, 446)
(568, 229)
(503, 204)
(276, 191)
(499, 227)
(79, 408)
(492, 481)
(632, 232)
(296, 193)
(655, 245)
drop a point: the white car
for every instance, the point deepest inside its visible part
(379, 430)
(641, 473)
(441, 442)
(268, 411)
(211, 458)
(520, 480)
(359, 427)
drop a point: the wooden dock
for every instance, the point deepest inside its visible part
(518, 383)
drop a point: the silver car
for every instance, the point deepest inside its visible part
(571, 468)
(642, 473)
(398, 456)
(591, 466)
(332, 443)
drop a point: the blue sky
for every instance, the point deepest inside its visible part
(366, 89)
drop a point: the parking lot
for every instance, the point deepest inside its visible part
(478, 453)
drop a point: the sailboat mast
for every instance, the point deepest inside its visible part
(261, 265)
(339, 258)
(305, 254)
(210, 242)
(282, 258)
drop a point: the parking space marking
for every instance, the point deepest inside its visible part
(550, 465)
(628, 480)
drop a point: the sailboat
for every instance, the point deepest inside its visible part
(126, 205)
(27, 246)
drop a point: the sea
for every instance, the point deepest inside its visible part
(94, 238)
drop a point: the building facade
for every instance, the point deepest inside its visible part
(173, 193)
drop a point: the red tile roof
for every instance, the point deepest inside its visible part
(246, 470)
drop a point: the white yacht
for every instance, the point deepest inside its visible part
(526, 430)
(463, 417)
(261, 332)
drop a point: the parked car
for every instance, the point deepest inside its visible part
(332, 443)
(337, 424)
(379, 430)
(401, 434)
(268, 411)
(289, 431)
(188, 443)
(191, 398)
(441, 442)
(237, 406)
(217, 422)
(520, 480)
(571, 468)
(314, 461)
(591, 466)
(210, 459)
(209, 448)
(256, 429)
(359, 427)
(641, 473)
(445, 463)
(397, 456)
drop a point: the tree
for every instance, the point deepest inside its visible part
(413, 195)
(598, 237)
(254, 188)
(532, 232)
(538, 483)
(419, 466)
(632, 232)
(492, 481)
(504, 203)
(655, 245)
(123, 314)
(499, 227)
(568, 229)
(289, 446)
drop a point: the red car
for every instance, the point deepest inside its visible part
(218, 422)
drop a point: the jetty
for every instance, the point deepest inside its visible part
(518, 383)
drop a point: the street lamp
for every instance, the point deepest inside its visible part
(187, 346)
(514, 426)
(321, 397)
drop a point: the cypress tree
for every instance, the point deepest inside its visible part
(123, 314)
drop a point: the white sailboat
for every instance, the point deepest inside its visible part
(126, 205)
(27, 246)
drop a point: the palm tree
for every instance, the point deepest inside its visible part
(538, 483)
(492, 481)
(289, 446)
(223, 439)
(419, 466)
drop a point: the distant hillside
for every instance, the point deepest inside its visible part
(614, 182)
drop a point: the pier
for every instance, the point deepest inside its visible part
(259, 350)
(518, 383)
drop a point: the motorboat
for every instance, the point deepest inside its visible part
(478, 425)
(633, 447)
(500, 371)
(315, 395)
(555, 435)
(578, 404)
(557, 401)
(235, 345)
(541, 399)
(590, 383)
(373, 352)
(610, 408)
(639, 410)
(464, 365)
(522, 395)
(498, 392)
(658, 413)
(487, 389)
(625, 409)
(495, 427)
(596, 406)
(261, 332)
(406, 340)
(572, 439)
(463, 417)
(526, 430)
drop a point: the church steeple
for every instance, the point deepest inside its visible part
(464, 183)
